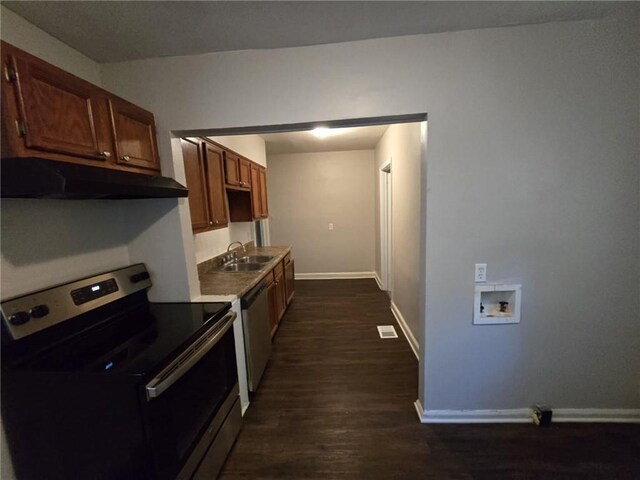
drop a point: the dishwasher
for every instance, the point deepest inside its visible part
(257, 333)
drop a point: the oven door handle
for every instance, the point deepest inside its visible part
(181, 365)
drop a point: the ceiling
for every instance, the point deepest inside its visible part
(342, 139)
(113, 31)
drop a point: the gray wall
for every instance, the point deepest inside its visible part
(532, 167)
(402, 144)
(307, 191)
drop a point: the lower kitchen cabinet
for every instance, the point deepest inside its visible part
(273, 307)
(289, 279)
(281, 299)
(280, 288)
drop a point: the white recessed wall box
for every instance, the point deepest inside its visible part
(497, 304)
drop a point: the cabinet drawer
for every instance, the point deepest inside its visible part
(270, 278)
(287, 258)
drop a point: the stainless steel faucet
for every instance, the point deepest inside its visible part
(244, 250)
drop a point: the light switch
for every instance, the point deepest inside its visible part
(331, 226)
(481, 272)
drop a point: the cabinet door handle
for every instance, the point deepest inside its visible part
(105, 154)
(10, 73)
(125, 158)
(210, 223)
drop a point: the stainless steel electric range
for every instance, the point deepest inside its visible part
(100, 383)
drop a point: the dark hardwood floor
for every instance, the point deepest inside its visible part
(336, 402)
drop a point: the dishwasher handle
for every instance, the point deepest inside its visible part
(252, 295)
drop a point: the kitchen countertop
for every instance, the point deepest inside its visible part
(237, 283)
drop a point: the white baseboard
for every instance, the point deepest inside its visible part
(596, 415)
(334, 275)
(516, 415)
(413, 343)
(523, 415)
(378, 281)
(419, 409)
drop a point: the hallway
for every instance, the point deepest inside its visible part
(336, 402)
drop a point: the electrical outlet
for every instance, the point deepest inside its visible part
(331, 226)
(481, 272)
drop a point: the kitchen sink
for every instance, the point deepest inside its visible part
(242, 267)
(254, 259)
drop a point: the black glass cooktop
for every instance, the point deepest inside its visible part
(136, 342)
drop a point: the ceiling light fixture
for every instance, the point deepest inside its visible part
(321, 132)
(324, 132)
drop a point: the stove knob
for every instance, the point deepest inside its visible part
(138, 277)
(19, 318)
(39, 311)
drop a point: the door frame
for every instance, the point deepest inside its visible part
(386, 221)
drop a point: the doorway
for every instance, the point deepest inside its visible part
(386, 258)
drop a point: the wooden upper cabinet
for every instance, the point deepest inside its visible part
(264, 208)
(52, 114)
(244, 167)
(256, 197)
(53, 111)
(215, 182)
(134, 135)
(236, 170)
(203, 166)
(231, 169)
(194, 170)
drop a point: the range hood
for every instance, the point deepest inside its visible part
(40, 178)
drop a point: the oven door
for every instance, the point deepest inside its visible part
(184, 402)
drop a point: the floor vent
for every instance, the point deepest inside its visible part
(387, 331)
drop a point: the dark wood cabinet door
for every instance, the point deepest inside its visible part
(215, 183)
(244, 167)
(194, 170)
(134, 135)
(231, 169)
(256, 197)
(264, 206)
(273, 307)
(281, 302)
(58, 111)
(289, 280)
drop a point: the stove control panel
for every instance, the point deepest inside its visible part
(91, 292)
(28, 314)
